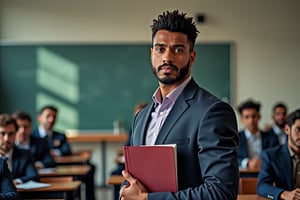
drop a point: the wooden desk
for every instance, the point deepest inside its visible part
(65, 170)
(58, 190)
(75, 158)
(250, 197)
(245, 172)
(115, 180)
(97, 136)
(93, 136)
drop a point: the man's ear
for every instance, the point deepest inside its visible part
(287, 129)
(192, 57)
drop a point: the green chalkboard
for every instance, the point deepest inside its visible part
(93, 85)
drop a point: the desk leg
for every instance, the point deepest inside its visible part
(103, 163)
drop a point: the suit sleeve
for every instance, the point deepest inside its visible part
(265, 186)
(30, 170)
(217, 143)
(65, 149)
(60, 143)
(7, 188)
(46, 157)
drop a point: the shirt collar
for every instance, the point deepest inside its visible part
(25, 145)
(248, 134)
(173, 95)
(292, 154)
(44, 133)
(8, 154)
(276, 129)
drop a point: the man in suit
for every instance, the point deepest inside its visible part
(59, 144)
(19, 161)
(279, 116)
(39, 147)
(203, 127)
(7, 188)
(279, 176)
(252, 139)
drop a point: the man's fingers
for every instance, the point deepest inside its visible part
(128, 177)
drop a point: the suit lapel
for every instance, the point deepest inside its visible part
(177, 111)
(144, 125)
(286, 158)
(15, 162)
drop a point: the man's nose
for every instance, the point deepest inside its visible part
(168, 56)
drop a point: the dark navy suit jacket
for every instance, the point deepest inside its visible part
(205, 131)
(40, 151)
(276, 169)
(23, 165)
(273, 132)
(58, 141)
(7, 188)
(268, 140)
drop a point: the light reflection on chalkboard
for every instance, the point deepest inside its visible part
(58, 82)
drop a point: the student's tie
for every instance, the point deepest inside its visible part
(8, 163)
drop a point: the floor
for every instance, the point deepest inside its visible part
(102, 193)
(105, 193)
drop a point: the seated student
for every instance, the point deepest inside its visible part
(252, 139)
(59, 144)
(279, 116)
(279, 177)
(39, 147)
(57, 141)
(7, 188)
(19, 160)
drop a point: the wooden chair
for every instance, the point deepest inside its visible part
(56, 179)
(248, 185)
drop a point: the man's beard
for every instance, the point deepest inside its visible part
(280, 125)
(167, 80)
(293, 140)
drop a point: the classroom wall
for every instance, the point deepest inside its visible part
(265, 34)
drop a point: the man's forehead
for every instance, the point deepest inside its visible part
(164, 35)
(7, 127)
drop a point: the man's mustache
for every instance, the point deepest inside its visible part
(167, 64)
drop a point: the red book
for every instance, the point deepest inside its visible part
(154, 166)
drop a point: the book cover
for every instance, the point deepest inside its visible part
(154, 166)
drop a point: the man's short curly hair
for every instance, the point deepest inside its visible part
(176, 22)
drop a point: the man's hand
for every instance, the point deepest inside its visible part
(134, 190)
(254, 163)
(291, 195)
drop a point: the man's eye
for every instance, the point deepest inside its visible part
(160, 49)
(179, 50)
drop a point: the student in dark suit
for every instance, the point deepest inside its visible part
(7, 188)
(279, 176)
(252, 139)
(19, 161)
(59, 144)
(279, 116)
(38, 147)
(203, 127)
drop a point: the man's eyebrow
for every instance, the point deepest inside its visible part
(159, 44)
(179, 45)
(175, 45)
